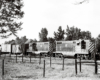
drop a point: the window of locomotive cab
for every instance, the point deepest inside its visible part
(83, 44)
(34, 46)
(26, 46)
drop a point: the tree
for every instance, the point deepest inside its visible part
(50, 39)
(34, 40)
(98, 43)
(17, 41)
(93, 39)
(9, 42)
(43, 35)
(80, 2)
(10, 11)
(76, 33)
(60, 34)
(85, 35)
(24, 39)
(73, 33)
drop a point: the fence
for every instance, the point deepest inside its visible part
(40, 60)
(82, 61)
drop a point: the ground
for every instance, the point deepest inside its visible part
(34, 71)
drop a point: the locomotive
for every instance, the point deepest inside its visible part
(37, 48)
(84, 48)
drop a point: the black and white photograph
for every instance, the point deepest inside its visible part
(49, 40)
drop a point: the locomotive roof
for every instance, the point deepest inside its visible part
(73, 41)
(42, 42)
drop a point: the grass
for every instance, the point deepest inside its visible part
(34, 71)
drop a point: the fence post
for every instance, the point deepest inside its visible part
(3, 67)
(40, 59)
(16, 58)
(44, 69)
(63, 64)
(95, 65)
(0, 53)
(30, 58)
(5, 55)
(10, 55)
(50, 59)
(22, 57)
(76, 63)
(80, 63)
(95, 58)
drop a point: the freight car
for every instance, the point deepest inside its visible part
(5, 48)
(10, 48)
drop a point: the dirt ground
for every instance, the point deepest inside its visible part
(34, 71)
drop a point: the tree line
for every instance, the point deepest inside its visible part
(72, 33)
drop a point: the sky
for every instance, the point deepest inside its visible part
(51, 14)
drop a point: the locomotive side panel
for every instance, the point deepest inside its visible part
(42, 46)
(72, 47)
(65, 46)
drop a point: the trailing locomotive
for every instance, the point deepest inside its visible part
(37, 48)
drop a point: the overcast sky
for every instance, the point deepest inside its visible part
(51, 14)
